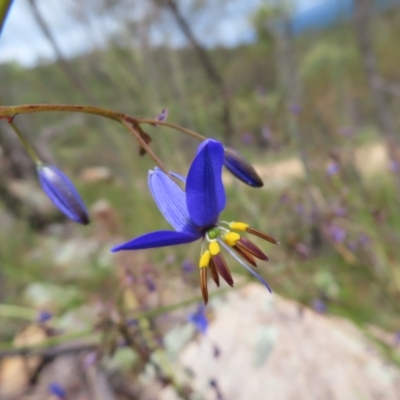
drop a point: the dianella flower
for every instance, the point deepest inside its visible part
(194, 214)
(62, 193)
(199, 319)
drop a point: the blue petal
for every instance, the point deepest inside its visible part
(171, 201)
(157, 239)
(241, 168)
(205, 193)
(62, 193)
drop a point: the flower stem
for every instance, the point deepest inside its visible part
(30, 150)
(10, 112)
(143, 143)
(173, 126)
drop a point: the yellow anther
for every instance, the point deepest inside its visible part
(214, 248)
(238, 226)
(231, 238)
(204, 259)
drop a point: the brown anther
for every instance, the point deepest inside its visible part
(203, 284)
(250, 247)
(222, 268)
(245, 255)
(214, 272)
(261, 235)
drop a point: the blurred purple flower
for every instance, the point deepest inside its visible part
(170, 259)
(394, 166)
(340, 211)
(266, 133)
(284, 198)
(363, 239)
(90, 359)
(336, 233)
(199, 319)
(188, 266)
(247, 138)
(319, 306)
(43, 316)
(57, 391)
(333, 168)
(352, 245)
(132, 322)
(299, 208)
(397, 338)
(150, 283)
(295, 108)
(346, 131)
(162, 116)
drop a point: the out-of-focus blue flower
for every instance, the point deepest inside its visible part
(266, 133)
(62, 193)
(394, 166)
(247, 138)
(199, 319)
(194, 215)
(43, 316)
(57, 391)
(364, 239)
(295, 108)
(333, 168)
(397, 338)
(241, 168)
(336, 233)
(187, 266)
(346, 131)
(163, 115)
(340, 212)
(319, 306)
(150, 283)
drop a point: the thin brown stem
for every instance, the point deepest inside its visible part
(11, 111)
(143, 143)
(170, 125)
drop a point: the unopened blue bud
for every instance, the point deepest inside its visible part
(241, 168)
(57, 390)
(62, 193)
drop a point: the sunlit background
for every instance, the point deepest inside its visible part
(308, 91)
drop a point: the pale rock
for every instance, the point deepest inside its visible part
(276, 349)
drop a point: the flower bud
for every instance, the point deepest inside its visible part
(241, 168)
(62, 193)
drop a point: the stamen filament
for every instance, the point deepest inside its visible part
(244, 264)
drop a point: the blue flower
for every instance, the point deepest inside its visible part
(57, 390)
(62, 193)
(194, 214)
(44, 316)
(199, 319)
